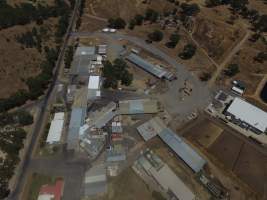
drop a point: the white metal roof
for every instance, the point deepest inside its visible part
(237, 90)
(248, 113)
(56, 128)
(93, 82)
(46, 197)
(59, 116)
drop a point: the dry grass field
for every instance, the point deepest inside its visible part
(123, 8)
(251, 71)
(216, 37)
(237, 157)
(205, 133)
(18, 63)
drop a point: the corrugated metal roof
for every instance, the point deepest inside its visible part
(95, 180)
(155, 126)
(76, 120)
(168, 180)
(94, 82)
(85, 51)
(93, 189)
(101, 117)
(153, 69)
(138, 106)
(248, 113)
(56, 128)
(183, 150)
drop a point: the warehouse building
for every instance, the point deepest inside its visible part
(247, 116)
(156, 127)
(100, 118)
(56, 127)
(95, 181)
(151, 128)
(138, 106)
(155, 70)
(164, 176)
(81, 60)
(93, 87)
(76, 121)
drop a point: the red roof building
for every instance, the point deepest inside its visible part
(55, 190)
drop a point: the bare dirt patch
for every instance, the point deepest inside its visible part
(205, 133)
(226, 149)
(236, 158)
(216, 37)
(251, 71)
(123, 8)
(90, 24)
(251, 168)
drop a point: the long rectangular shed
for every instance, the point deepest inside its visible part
(155, 127)
(56, 127)
(95, 181)
(138, 106)
(76, 121)
(183, 150)
(147, 66)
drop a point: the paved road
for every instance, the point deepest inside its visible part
(14, 195)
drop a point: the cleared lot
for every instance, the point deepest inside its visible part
(226, 149)
(238, 156)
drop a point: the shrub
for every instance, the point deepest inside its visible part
(155, 36)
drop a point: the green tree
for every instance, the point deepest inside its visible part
(261, 25)
(24, 118)
(188, 51)
(126, 78)
(261, 57)
(116, 72)
(238, 4)
(132, 24)
(155, 36)
(231, 70)
(151, 15)
(117, 23)
(190, 9)
(68, 56)
(139, 19)
(174, 39)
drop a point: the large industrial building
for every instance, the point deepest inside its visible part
(155, 70)
(164, 176)
(81, 60)
(95, 181)
(76, 121)
(247, 116)
(156, 127)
